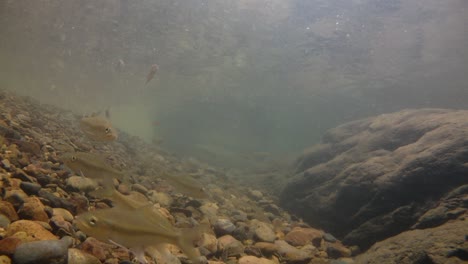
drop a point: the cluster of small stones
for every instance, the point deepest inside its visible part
(40, 198)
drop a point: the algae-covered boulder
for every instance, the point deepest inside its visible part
(374, 178)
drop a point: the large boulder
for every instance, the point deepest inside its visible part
(374, 178)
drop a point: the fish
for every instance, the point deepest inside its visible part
(153, 70)
(92, 166)
(138, 229)
(187, 185)
(98, 128)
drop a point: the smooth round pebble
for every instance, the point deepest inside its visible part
(45, 251)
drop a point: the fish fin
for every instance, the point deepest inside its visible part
(187, 238)
(139, 255)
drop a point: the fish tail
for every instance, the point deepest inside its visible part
(187, 238)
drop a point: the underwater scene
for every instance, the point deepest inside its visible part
(233, 131)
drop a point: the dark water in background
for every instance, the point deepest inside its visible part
(237, 77)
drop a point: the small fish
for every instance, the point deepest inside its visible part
(98, 128)
(187, 185)
(153, 70)
(138, 229)
(92, 166)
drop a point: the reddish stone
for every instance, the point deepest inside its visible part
(300, 236)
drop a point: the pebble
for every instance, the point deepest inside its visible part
(55, 201)
(5, 260)
(67, 216)
(139, 188)
(33, 230)
(8, 210)
(4, 221)
(6, 164)
(80, 184)
(164, 199)
(337, 250)
(255, 194)
(329, 238)
(230, 246)
(209, 242)
(300, 236)
(291, 253)
(223, 226)
(254, 260)
(15, 197)
(54, 251)
(76, 256)
(33, 209)
(30, 188)
(263, 231)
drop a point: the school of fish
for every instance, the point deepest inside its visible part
(131, 224)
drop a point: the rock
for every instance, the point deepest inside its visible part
(67, 216)
(30, 188)
(209, 242)
(5, 260)
(437, 245)
(263, 231)
(15, 197)
(33, 230)
(96, 248)
(300, 236)
(55, 201)
(223, 226)
(4, 221)
(254, 260)
(164, 199)
(267, 248)
(37, 252)
(6, 164)
(255, 194)
(329, 237)
(8, 210)
(140, 188)
(210, 210)
(33, 209)
(230, 246)
(76, 256)
(81, 184)
(291, 253)
(360, 182)
(8, 245)
(337, 250)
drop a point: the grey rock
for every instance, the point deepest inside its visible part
(223, 226)
(30, 188)
(373, 178)
(46, 251)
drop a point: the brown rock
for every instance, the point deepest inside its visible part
(9, 244)
(266, 248)
(254, 260)
(337, 250)
(76, 256)
(8, 210)
(33, 230)
(96, 248)
(5, 260)
(230, 245)
(300, 236)
(33, 209)
(67, 216)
